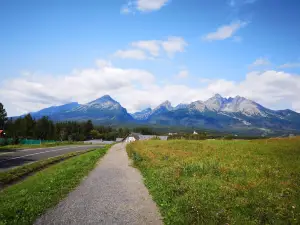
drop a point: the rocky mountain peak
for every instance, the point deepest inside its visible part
(217, 96)
(215, 103)
(167, 104)
(103, 99)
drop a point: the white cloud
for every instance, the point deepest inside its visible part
(135, 89)
(35, 92)
(131, 54)
(153, 46)
(149, 49)
(270, 88)
(290, 65)
(260, 62)
(225, 31)
(183, 74)
(143, 6)
(150, 5)
(173, 45)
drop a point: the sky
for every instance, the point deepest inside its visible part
(143, 52)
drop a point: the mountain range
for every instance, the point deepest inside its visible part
(216, 113)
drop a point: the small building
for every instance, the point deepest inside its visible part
(291, 135)
(132, 138)
(195, 132)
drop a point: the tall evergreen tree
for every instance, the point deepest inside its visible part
(29, 126)
(88, 127)
(3, 116)
(45, 129)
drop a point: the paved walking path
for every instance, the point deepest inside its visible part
(113, 193)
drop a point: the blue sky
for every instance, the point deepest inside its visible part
(185, 49)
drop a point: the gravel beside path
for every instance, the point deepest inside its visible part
(113, 193)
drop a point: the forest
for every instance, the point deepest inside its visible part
(45, 129)
(27, 127)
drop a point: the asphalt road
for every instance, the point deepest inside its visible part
(113, 193)
(14, 158)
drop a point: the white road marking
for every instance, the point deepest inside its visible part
(19, 157)
(31, 149)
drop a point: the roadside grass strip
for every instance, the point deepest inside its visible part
(24, 202)
(222, 182)
(18, 173)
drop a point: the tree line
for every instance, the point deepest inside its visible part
(26, 127)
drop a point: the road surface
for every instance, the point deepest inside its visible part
(113, 193)
(9, 160)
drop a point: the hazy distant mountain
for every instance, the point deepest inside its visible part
(55, 110)
(215, 113)
(104, 110)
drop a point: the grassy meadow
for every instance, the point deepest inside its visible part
(222, 182)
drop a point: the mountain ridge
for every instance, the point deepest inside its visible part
(216, 112)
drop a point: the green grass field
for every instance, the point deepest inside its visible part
(23, 202)
(219, 182)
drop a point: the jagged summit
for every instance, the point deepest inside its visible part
(215, 103)
(142, 115)
(166, 104)
(104, 98)
(217, 96)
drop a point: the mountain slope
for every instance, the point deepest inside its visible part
(142, 115)
(55, 110)
(104, 110)
(226, 114)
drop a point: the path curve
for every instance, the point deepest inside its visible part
(113, 193)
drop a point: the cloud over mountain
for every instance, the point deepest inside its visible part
(138, 89)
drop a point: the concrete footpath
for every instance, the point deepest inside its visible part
(113, 193)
